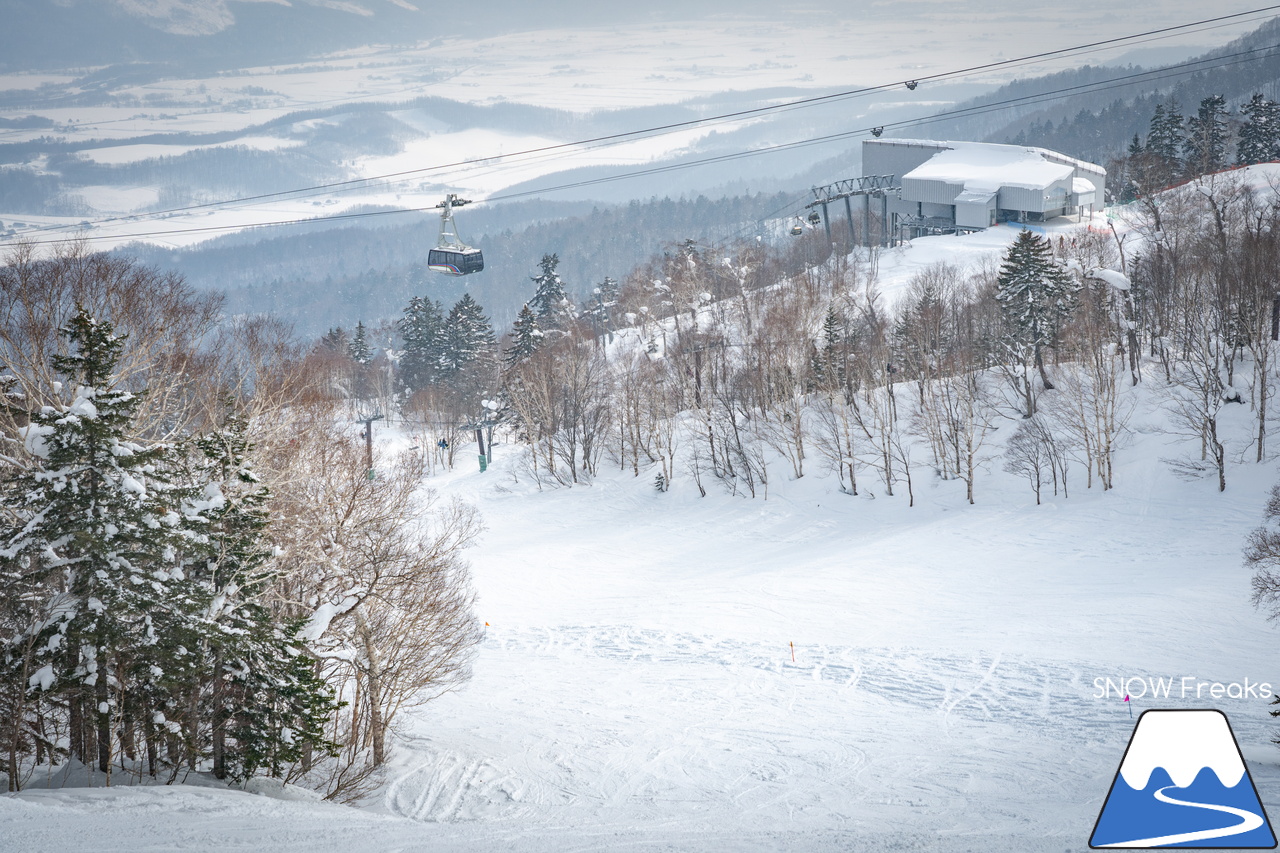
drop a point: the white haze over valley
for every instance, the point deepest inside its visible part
(762, 54)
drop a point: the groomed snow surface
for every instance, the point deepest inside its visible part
(636, 689)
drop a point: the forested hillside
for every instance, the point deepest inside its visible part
(1097, 126)
(314, 280)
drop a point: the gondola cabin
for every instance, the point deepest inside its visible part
(451, 256)
(455, 260)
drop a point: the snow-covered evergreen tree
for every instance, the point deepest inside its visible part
(1035, 296)
(599, 308)
(825, 362)
(468, 336)
(526, 337)
(359, 346)
(1260, 133)
(266, 704)
(141, 576)
(423, 331)
(336, 340)
(550, 303)
(1130, 174)
(94, 528)
(1206, 143)
(1165, 142)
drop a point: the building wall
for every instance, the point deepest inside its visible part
(975, 215)
(890, 157)
(933, 192)
(911, 209)
(1093, 173)
(903, 208)
(1056, 196)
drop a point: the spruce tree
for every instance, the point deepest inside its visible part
(550, 303)
(1165, 143)
(336, 340)
(143, 577)
(526, 337)
(94, 525)
(359, 347)
(1260, 133)
(1206, 143)
(423, 331)
(468, 336)
(825, 362)
(599, 308)
(1036, 295)
(266, 705)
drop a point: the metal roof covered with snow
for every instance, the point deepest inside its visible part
(981, 166)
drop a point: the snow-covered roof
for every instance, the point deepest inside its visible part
(1083, 185)
(982, 166)
(976, 197)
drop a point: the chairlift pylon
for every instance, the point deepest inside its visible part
(451, 256)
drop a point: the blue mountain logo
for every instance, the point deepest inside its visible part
(1183, 783)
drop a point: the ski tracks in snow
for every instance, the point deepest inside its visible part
(450, 787)
(983, 686)
(666, 726)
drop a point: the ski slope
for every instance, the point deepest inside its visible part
(636, 688)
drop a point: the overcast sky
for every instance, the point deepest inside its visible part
(874, 38)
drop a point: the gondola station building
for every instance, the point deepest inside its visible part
(957, 187)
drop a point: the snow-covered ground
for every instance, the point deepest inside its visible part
(636, 688)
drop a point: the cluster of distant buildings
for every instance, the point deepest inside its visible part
(958, 187)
